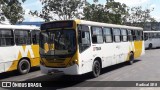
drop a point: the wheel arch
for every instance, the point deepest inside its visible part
(98, 59)
(22, 59)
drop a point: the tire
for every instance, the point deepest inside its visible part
(96, 68)
(131, 59)
(150, 46)
(24, 66)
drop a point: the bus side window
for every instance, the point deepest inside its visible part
(35, 36)
(150, 35)
(117, 35)
(134, 35)
(6, 38)
(107, 35)
(138, 35)
(22, 37)
(83, 38)
(124, 35)
(97, 35)
(155, 35)
(130, 37)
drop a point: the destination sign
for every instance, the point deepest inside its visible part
(59, 24)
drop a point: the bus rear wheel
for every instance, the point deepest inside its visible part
(96, 68)
(150, 46)
(24, 66)
(131, 59)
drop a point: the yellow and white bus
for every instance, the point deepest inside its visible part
(151, 39)
(76, 47)
(19, 48)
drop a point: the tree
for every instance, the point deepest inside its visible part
(12, 10)
(137, 15)
(59, 9)
(117, 11)
(112, 12)
(94, 12)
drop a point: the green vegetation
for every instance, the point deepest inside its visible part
(110, 12)
(12, 10)
(62, 9)
(137, 15)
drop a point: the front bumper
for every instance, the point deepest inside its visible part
(72, 70)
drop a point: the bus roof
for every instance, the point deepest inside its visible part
(92, 23)
(151, 31)
(19, 27)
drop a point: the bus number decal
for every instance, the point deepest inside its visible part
(96, 48)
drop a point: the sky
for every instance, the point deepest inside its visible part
(36, 5)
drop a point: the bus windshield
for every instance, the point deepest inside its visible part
(58, 42)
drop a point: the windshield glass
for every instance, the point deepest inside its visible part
(58, 42)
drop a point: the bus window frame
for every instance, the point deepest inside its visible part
(32, 37)
(124, 29)
(29, 33)
(111, 34)
(116, 35)
(91, 27)
(130, 36)
(13, 38)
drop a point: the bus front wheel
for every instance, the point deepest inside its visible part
(24, 66)
(96, 68)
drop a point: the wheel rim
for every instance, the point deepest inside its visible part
(131, 59)
(24, 66)
(150, 46)
(96, 69)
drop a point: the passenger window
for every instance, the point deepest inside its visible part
(97, 36)
(130, 36)
(22, 37)
(35, 36)
(155, 35)
(139, 35)
(117, 35)
(150, 35)
(107, 35)
(124, 35)
(134, 33)
(6, 38)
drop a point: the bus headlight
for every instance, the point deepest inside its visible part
(73, 62)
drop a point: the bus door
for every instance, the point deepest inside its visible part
(84, 50)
